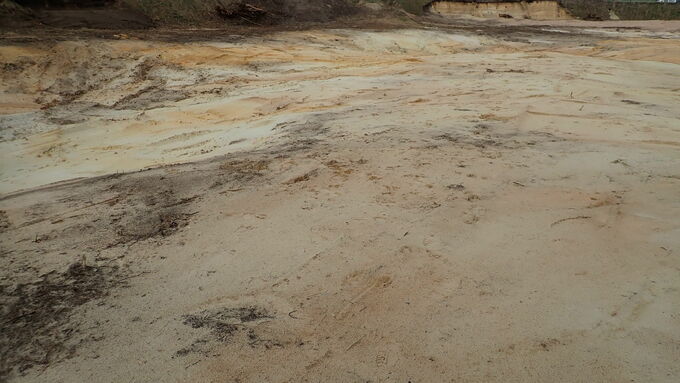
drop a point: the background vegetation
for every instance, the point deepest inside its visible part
(197, 11)
(645, 11)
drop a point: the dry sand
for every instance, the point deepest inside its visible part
(420, 205)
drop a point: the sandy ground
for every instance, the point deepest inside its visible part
(420, 205)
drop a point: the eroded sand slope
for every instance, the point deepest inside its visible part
(409, 205)
(537, 10)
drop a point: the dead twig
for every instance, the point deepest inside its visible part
(355, 343)
(251, 21)
(569, 219)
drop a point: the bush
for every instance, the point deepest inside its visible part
(587, 9)
(414, 6)
(645, 11)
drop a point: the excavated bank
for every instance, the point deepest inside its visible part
(538, 10)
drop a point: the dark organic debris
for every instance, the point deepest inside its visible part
(35, 325)
(223, 325)
(226, 318)
(303, 178)
(239, 172)
(631, 102)
(149, 224)
(148, 98)
(475, 140)
(4, 221)
(153, 214)
(489, 70)
(621, 162)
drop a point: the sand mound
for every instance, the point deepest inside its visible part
(539, 10)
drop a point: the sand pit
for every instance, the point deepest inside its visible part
(537, 10)
(468, 203)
